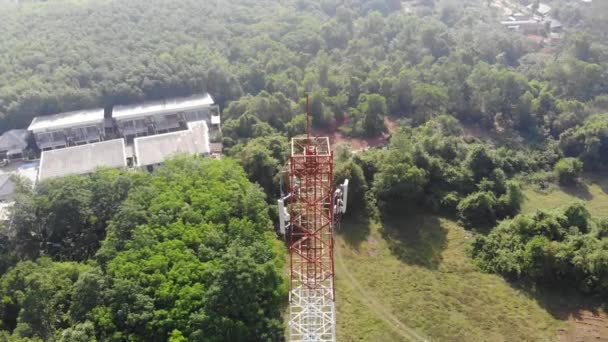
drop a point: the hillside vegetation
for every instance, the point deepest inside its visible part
(189, 252)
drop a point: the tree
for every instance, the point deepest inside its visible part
(478, 210)
(205, 237)
(581, 46)
(66, 218)
(480, 162)
(588, 142)
(357, 190)
(399, 184)
(36, 297)
(559, 247)
(568, 170)
(374, 109)
(429, 100)
(262, 159)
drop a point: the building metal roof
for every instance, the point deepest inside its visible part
(82, 159)
(157, 149)
(67, 120)
(519, 22)
(7, 187)
(543, 9)
(162, 107)
(14, 141)
(555, 24)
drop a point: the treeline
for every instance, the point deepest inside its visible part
(445, 65)
(185, 254)
(447, 57)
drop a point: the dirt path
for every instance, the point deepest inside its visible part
(587, 326)
(380, 310)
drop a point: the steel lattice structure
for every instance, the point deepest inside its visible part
(312, 214)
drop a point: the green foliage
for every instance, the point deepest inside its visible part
(201, 258)
(563, 247)
(189, 254)
(589, 142)
(429, 100)
(480, 162)
(432, 165)
(373, 107)
(478, 210)
(66, 218)
(36, 297)
(568, 170)
(357, 190)
(263, 158)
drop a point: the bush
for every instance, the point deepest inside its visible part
(564, 247)
(478, 210)
(568, 170)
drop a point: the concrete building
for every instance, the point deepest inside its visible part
(7, 188)
(83, 159)
(68, 129)
(543, 9)
(13, 144)
(163, 116)
(143, 135)
(525, 26)
(153, 150)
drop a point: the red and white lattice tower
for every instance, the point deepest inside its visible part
(309, 214)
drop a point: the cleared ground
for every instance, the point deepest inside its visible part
(410, 279)
(593, 190)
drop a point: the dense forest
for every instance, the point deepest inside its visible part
(189, 252)
(186, 253)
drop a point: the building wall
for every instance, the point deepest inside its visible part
(74, 136)
(163, 123)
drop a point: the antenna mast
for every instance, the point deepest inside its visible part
(308, 215)
(307, 117)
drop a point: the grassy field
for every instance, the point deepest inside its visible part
(593, 191)
(411, 279)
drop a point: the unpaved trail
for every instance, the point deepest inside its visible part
(380, 310)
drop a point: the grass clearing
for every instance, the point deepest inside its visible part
(417, 270)
(593, 191)
(414, 273)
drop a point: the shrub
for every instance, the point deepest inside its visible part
(563, 247)
(568, 170)
(478, 210)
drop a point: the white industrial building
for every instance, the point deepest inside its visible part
(83, 159)
(13, 144)
(68, 129)
(143, 135)
(154, 150)
(163, 116)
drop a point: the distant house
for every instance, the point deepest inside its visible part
(543, 9)
(68, 129)
(7, 188)
(556, 26)
(519, 16)
(525, 26)
(13, 144)
(7, 192)
(159, 117)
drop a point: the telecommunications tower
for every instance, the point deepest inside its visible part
(308, 215)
